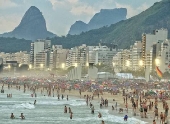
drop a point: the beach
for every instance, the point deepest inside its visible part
(49, 108)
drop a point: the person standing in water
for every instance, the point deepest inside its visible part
(65, 109)
(103, 122)
(99, 115)
(22, 116)
(12, 116)
(92, 109)
(125, 118)
(35, 102)
(67, 97)
(69, 110)
(71, 115)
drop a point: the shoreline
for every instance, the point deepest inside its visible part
(75, 93)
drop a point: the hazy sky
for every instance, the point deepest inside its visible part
(61, 14)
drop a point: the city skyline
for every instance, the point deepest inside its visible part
(12, 11)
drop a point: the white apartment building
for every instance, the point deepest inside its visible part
(83, 55)
(77, 56)
(163, 59)
(135, 56)
(147, 45)
(121, 61)
(101, 54)
(40, 53)
(40, 60)
(21, 57)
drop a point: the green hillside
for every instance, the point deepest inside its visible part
(126, 32)
(123, 33)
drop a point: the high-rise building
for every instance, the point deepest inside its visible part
(147, 45)
(40, 53)
(135, 56)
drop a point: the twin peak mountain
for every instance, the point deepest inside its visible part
(33, 24)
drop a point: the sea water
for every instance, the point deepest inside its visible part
(50, 110)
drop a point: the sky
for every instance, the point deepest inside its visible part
(61, 14)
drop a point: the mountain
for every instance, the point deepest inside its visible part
(126, 32)
(105, 17)
(123, 33)
(31, 27)
(78, 27)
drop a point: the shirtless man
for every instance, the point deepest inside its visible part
(71, 115)
(35, 102)
(99, 115)
(154, 122)
(69, 110)
(161, 118)
(22, 116)
(12, 116)
(156, 113)
(65, 109)
(103, 122)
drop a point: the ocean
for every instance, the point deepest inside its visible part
(50, 110)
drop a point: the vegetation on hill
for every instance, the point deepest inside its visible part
(14, 44)
(123, 33)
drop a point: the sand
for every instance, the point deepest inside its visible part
(118, 98)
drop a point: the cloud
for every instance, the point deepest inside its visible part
(6, 25)
(61, 14)
(132, 11)
(87, 10)
(7, 4)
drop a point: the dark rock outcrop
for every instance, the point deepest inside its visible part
(105, 17)
(31, 27)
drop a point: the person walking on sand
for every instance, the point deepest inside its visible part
(156, 113)
(126, 106)
(161, 118)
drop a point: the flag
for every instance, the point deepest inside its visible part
(159, 73)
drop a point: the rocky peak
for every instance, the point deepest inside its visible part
(31, 27)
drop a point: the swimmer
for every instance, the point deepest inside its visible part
(113, 108)
(125, 118)
(120, 110)
(65, 109)
(35, 102)
(22, 116)
(69, 110)
(99, 115)
(103, 122)
(12, 116)
(67, 97)
(92, 109)
(71, 115)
